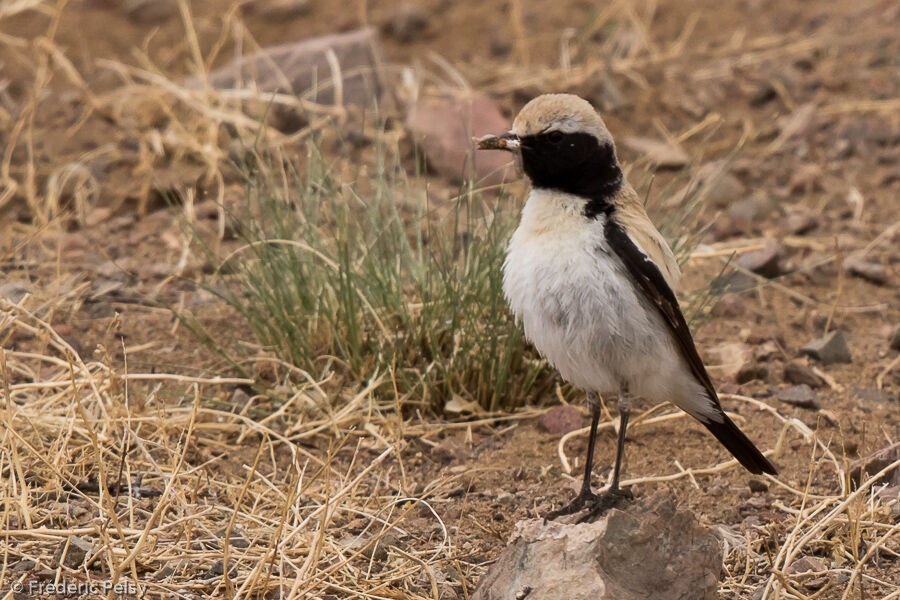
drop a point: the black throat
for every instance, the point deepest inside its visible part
(574, 163)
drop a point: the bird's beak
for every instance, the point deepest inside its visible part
(508, 141)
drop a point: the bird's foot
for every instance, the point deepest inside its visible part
(605, 501)
(584, 499)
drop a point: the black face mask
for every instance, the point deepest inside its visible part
(574, 163)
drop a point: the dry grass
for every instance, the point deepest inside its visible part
(170, 492)
(181, 488)
(196, 501)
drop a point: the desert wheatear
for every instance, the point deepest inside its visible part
(591, 280)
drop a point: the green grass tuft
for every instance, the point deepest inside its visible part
(377, 283)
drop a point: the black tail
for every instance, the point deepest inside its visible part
(741, 447)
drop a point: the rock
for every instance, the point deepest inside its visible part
(406, 23)
(739, 219)
(718, 186)
(757, 486)
(798, 223)
(806, 564)
(450, 450)
(444, 124)
(798, 374)
(806, 178)
(874, 463)
(560, 420)
(239, 398)
(830, 348)
(236, 538)
(730, 305)
(895, 339)
(873, 395)
(734, 281)
(793, 124)
(302, 68)
(500, 46)
(765, 262)
(148, 12)
(750, 372)
(373, 549)
(766, 351)
(732, 357)
(757, 502)
(75, 554)
(870, 271)
(830, 417)
(648, 550)
(799, 395)
(890, 495)
(14, 291)
(662, 154)
(279, 10)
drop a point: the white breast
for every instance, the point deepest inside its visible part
(580, 309)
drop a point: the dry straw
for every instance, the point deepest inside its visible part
(192, 501)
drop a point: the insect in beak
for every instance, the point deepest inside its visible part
(508, 141)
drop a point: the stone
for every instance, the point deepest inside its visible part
(765, 262)
(895, 339)
(302, 68)
(374, 547)
(732, 357)
(757, 486)
(148, 12)
(758, 502)
(730, 305)
(829, 349)
(76, 551)
(874, 463)
(743, 216)
(15, 291)
(660, 153)
(560, 420)
(750, 372)
(717, 185)
(766, 350)
(798, 374)
(799, 395)
(648, 550)
(806, 564)
(734, 281)
(873, 395)
(872, 272)
(239, 398)
(450, 450)
(798, 223)
(236, 538)
(279, 10)
(500, 46)
(794, 124)
(406, 23)
(806, 178)
(444, 124)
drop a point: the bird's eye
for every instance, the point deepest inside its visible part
(555, 136)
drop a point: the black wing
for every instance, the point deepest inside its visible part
(650, 282)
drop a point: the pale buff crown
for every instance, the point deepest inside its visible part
(561, 112)
(569, 113)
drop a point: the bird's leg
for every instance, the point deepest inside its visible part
(585, 497)
(614, 495)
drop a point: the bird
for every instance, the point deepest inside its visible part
(592, 282)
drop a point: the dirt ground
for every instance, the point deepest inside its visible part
(808, 90)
